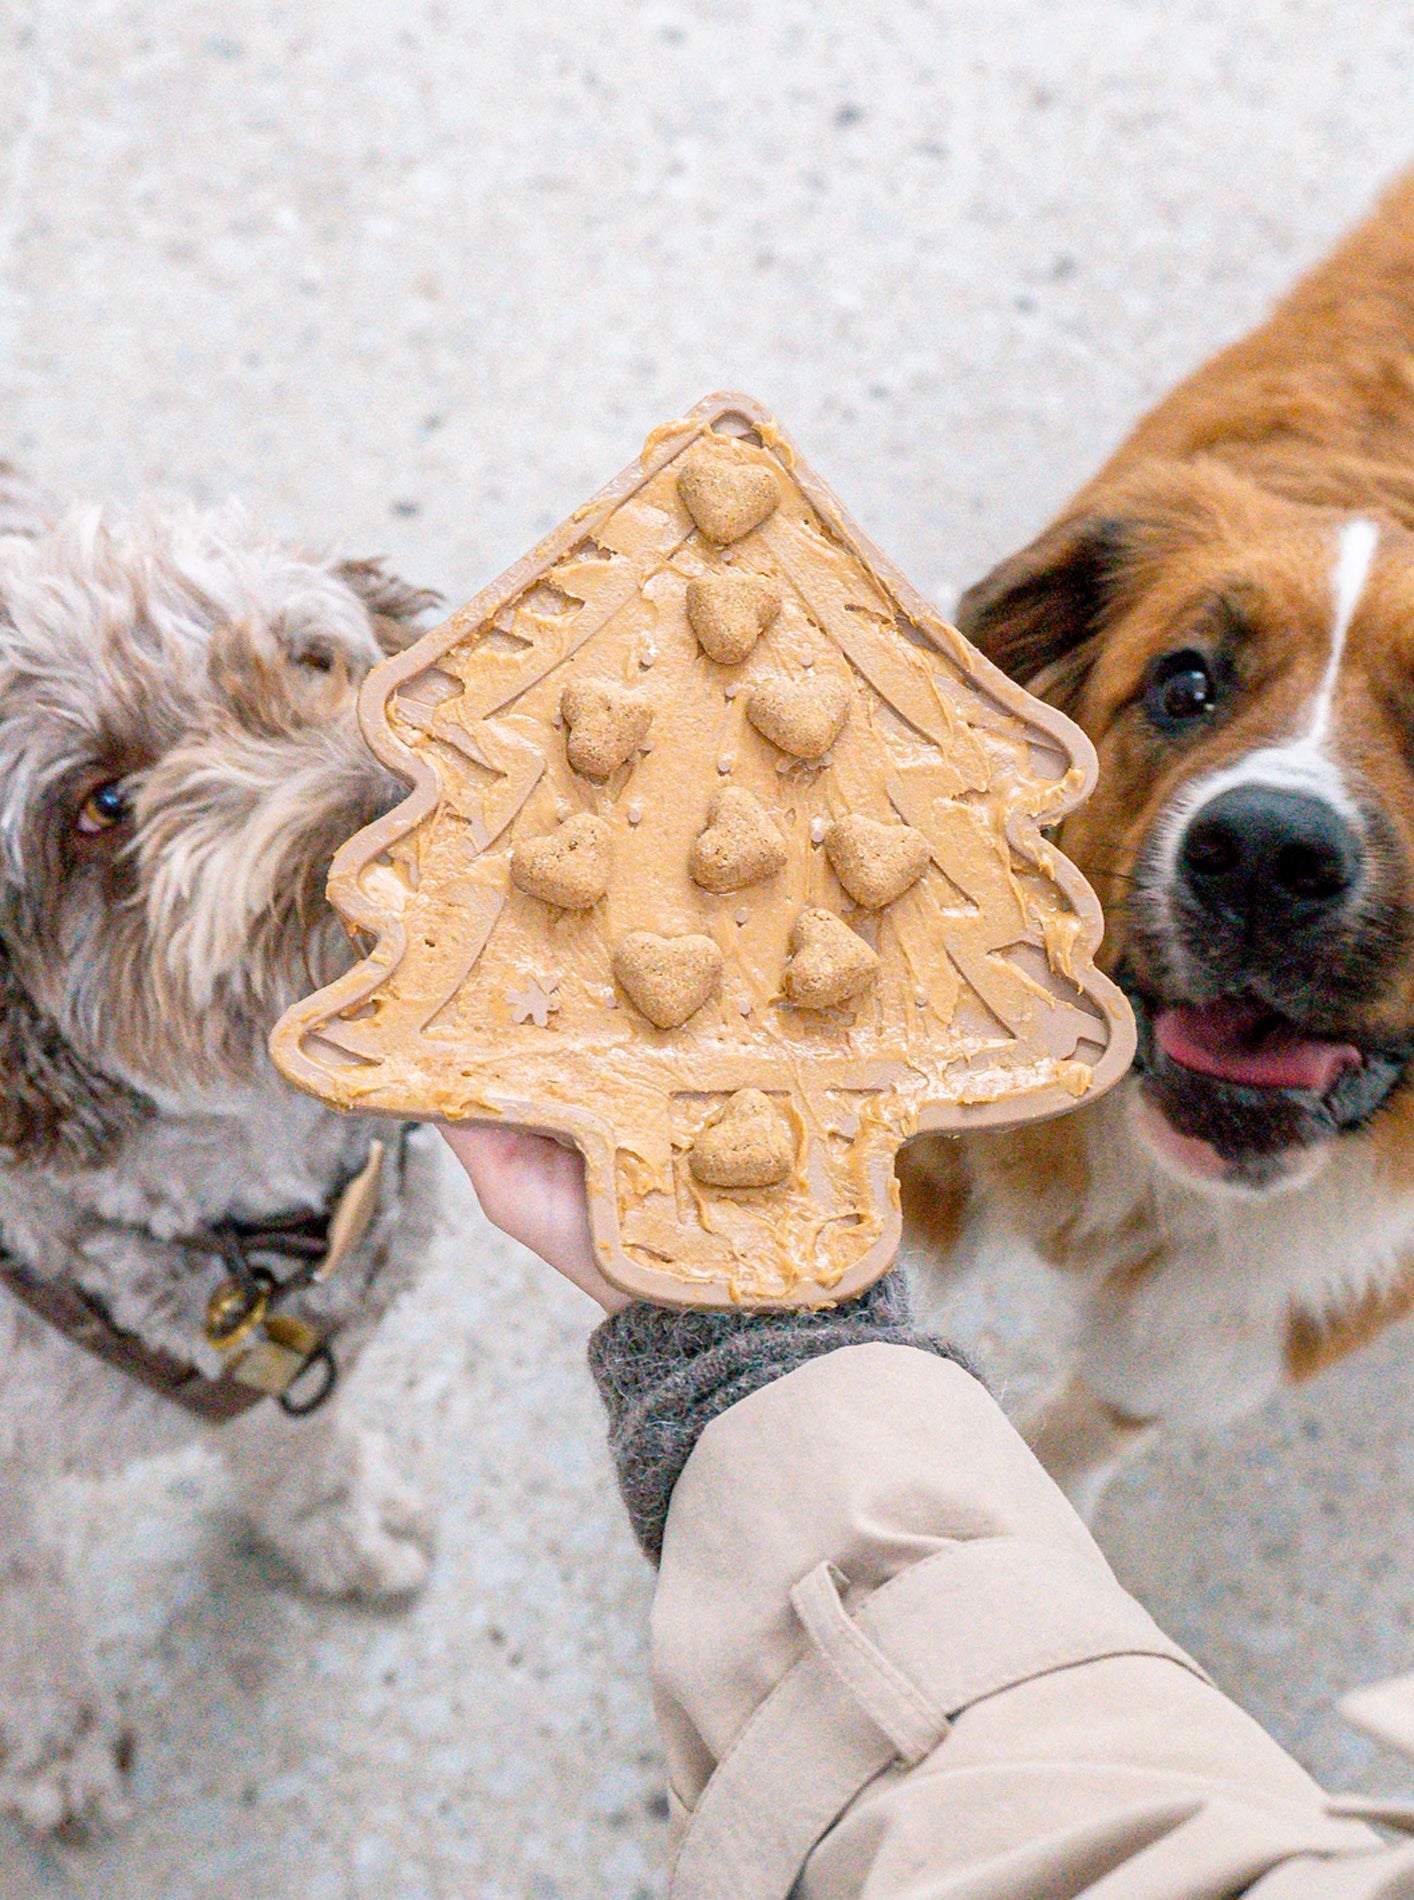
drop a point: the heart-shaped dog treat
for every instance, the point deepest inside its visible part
(730, 612)
(802, 717)
(748, 1146)
(829, 964)
(569, 867)
(726, 496)
(875, 862)
(668, 978)
(607, 724)
(740, 845)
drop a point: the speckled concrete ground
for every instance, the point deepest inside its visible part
(416, 277)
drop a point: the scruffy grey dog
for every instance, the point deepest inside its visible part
(179, 757)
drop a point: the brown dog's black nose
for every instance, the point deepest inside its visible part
(1269, 857)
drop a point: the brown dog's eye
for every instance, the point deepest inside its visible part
(1180, 690)
(106, 807)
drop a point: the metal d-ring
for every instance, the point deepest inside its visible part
(322, 1360)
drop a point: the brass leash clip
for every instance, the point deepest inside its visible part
(275, 1352)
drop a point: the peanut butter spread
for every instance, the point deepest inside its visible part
(724, 861)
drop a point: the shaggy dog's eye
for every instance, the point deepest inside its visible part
(1181, 688)
(106, 806)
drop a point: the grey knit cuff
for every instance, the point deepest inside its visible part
(665, 1375)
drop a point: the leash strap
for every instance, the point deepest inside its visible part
(275, 1355)
(81, 1320)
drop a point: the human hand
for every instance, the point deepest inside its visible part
(533, 1189)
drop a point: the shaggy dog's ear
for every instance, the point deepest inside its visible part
(394, 605)
(1036, 614)
(53, 1106)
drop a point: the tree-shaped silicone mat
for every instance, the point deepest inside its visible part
(724, 860)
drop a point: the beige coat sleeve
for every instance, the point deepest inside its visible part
(890, 1661)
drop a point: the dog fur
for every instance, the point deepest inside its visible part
(179, 758)
(1219, 1240)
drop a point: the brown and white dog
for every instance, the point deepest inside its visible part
(1227, 608)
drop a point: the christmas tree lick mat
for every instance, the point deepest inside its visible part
(724, 859)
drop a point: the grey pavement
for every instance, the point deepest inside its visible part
(415, 277)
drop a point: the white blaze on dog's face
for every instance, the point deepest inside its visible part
(179, 759)
(1245, 666)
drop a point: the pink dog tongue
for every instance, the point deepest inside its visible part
(1237, 1042)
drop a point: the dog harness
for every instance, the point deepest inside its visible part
(269, 1349)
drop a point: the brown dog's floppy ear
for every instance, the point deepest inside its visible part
(394, 605)
(53, 1106)
(1035, 614)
